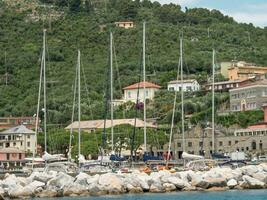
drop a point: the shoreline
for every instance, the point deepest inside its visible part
(53, 184)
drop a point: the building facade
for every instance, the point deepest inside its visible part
(131, 92)
(11, 157)
(244, 71)
(198, 141)
(186, 85)
(224, 85)
(126, 24)
(18, 137)
(248, 97)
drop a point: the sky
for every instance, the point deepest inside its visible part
(246, 11)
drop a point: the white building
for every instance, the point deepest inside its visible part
(18, 137)
(188, 85)
(131, 91)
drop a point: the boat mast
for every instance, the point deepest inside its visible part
(38, 106)
(72, 116)
(213, 102)
(79, 103)
(182, 90)
(44, 79)
(144, 82)
(111, 91)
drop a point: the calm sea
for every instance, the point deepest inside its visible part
(226, 195)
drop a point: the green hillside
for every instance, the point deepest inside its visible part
(75, 24)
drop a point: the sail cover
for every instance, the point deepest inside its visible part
(188, 156)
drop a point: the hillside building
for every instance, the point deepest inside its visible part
(133, 91)
(18, 137)
(93, 125)
(190, 85)
(243, 71)
(125, 24)
(250, 96)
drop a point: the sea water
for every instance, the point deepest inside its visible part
(225, 195)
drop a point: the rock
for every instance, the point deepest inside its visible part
(82, 178)
(190, 188)
(113, 184)
(169, 187)
(93, 179)
(49, 193)
(261, 176)
(10, 181)
(263, 166)
(95, 189)
(232, 183)
(61, 180)
(135, 190)
(42, 176)
(75, 189)
(26, 191)
(198, 181)
(253, 183)
(216, 182)
(217, 189)
(156, 187)
(179, 183)
(249, 170)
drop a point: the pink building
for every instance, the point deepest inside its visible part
(11, 157)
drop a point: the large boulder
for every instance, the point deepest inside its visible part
(261, 176)
(179, 183)
(112, 182)
(232, 183)
(82, 178)
(42, 176)
(75, 189)
(169, 187)
(26, 191)
(250, 170)
(199, 181)
(95, 189)
(252, 183)
(61, 180)
(216, 182)
(93, 179)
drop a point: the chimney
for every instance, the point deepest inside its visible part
(264, 106)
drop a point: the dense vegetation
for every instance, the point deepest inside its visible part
(78, 26)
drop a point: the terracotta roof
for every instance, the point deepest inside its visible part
(141, 85)
(11, 150)
(94, 124)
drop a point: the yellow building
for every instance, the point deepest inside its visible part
(244, 71)
(125, 25)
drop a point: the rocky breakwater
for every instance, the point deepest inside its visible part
(54, 184)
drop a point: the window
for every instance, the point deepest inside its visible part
(7, 156)
(129, 94)
(229, 143)
(236, 142)
(179, 144)
(20, 143)
(14, 144)
(171, 88)
(7, 144)
(20, 156)
(28, 144)
(220, 143)
(180, 88)
(200, 144)
(189, 144)
(211, 144)
(247, 148)
(28, 136)
(146, 93)
(188, 88)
